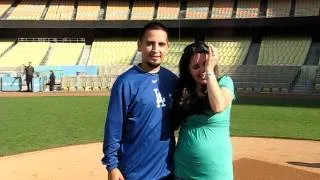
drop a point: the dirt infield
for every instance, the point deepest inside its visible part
(254, 159)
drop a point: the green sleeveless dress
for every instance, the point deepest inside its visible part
(204, 149)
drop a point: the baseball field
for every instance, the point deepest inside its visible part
(37, 123)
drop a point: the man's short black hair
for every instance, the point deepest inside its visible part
(153, 26)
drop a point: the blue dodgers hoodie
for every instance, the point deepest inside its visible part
(138, 138)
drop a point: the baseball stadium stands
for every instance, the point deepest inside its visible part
(175, 52)
(5, 44)
(60, 10)
(248, 9)
(317, 81)
(283, 50)
(142, 10)
(104, 81)
(88, 10)
(232, 51)
(278, 8)
(28, 10)
(4, 5)
(197, 9)
(262, 78)
(168, 9)
(222, 9)
(62, 54)
(111, 52)
(145, 9)
(260, 57)
(117, 10)
(24, 52)
(307, 8)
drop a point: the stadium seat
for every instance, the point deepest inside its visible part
(248, 9)
(278, 8)
(105, 83)
(24, 52)
(5, 44)
(110, 52)
(175, 51)
(142, 10)
(231, 51)
(28, 10)
(5, 5)
(222, 9)
(96, 84)
(88, 10)
(252, 78)
(117, 10)
(69, 83)
(60, 10)
(168, 9)
(197, 9)
(317, 81)
(65, 53)
(284, 50)
(307, 8)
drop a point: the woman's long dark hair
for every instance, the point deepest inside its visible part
(186, 100)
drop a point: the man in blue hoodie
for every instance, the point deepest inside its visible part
(139, 141)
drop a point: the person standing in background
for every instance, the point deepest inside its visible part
(29, 76)
(52, 80)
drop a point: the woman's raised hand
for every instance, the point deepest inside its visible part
(212, 59)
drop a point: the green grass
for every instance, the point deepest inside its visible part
(281, 118)
(288, 122)
(28, 124)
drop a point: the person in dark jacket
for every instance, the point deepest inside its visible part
(52, 80)
(29, 75)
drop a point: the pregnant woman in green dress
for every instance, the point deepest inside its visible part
(201, 108)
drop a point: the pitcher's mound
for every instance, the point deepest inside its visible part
(250, 169)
